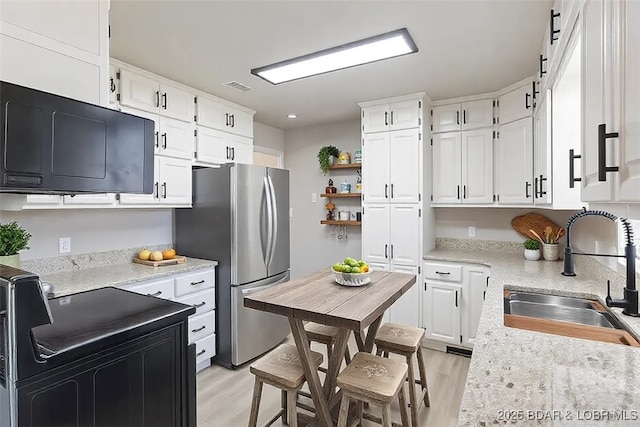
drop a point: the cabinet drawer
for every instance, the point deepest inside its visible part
(441, 271)
(202, 325)
(191, 283)
(203, 301)
(159, 288)
(205, 348)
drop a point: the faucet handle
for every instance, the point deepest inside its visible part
(608, 299)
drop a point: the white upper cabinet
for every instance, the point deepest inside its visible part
(477, 166)
(376, 233)
(375, 167)
(515, 163)
(175, 181)
(463, 116)
(216, 115)
(241, 149)
(138, 91)
(114, 83)
(404, 159)
(515, 104)
(176, 103)
(126, 199)
(404, 243)
(542, 153)
(175, 138)
(212, 146)
(392, 116)
(447, 172)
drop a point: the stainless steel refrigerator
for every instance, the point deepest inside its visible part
(240, 218)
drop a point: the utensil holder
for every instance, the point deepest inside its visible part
(550, 251)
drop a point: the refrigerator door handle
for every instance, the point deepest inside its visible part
(274, 218)
(267, 190)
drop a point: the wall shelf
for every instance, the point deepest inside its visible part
(347, 166)
(338, 222)
(340, 195)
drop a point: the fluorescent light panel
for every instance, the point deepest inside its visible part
(376, 48)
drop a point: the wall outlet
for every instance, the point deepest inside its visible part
(472, 232)
(64, 245)
(314, 197)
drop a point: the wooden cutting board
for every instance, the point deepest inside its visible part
(533, 221)
(178, 259)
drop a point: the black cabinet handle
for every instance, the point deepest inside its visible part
(199, 305)
(164, 140)
(456, 298)
(572, 171)
(155, 194)
(443, 272)
(164, 190)
(155, 294)
(157, 98)
(227, 153)
(392, 118)
(157, 142)
(386, 118)
(233, 153)
(197, 283)
(164, 101)
(542, 180)
(542, 70)
(392, 191)
(533, 89)
(526, 100)
(458, 192)
(392, 251)
(385, 251)
(199, 329)
(484, 295)
(552, 30)
(457, 117)
(112, 85)
(464, 117)
(464, 191)
(386, 195)
(233, 120)
(527, 184)
(535, 188)
(226, 119)
(602, 152)
(201, 352)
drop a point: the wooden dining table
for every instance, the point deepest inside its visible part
(316, 297)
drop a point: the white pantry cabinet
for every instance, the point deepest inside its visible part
(392, 116)
(453, 297)
(516, 104)
(217, 115)
(463, 167)
(462, 116)
(514, 163)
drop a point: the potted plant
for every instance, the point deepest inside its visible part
(13, 239)
(531, 249)
(324, 157)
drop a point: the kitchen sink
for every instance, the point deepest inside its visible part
(559, 315)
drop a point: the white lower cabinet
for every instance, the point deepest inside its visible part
(452, 301)
(198, 290)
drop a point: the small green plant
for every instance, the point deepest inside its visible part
(323, 157)
(531, 244)
(13, 238)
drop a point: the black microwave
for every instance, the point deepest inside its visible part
(50, 144)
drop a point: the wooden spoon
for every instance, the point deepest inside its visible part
(560, 233)
(536, 235)
(548, 233)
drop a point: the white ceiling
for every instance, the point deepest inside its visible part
(465, 47)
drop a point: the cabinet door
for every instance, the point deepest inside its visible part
(515, 163)
(595, 71)
(150, 116)
(447, 158)
(406, 310)
(515, 105)
(241, 123)
(145, 199)
(542, 153)
(176, 138)
(441, 312)
(446, 118)
(175, 181)
(212, 114)
(477, 114)
(241, 149)
(176, 103)
(405, 115)
(212, 146)
(375, 167)
(471, 301)
(375, 119)
(629, 176)
(404, 166)
(113, 85)
(139, 92)
(375, 234)
(477, 166)
(404, 236)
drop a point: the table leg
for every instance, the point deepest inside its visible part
(340, 346)
(366, 344)
(310, 372)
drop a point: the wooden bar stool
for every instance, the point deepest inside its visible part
(374, 380)
(405, 341)
(326, 335)
(281, 369)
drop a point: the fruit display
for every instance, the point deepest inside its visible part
(147, 255)
(351, 265)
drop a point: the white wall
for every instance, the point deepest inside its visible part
(312, 246)
(268, 136)
(92, 230)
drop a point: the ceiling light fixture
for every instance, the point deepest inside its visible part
(376, 48)
(292, 116)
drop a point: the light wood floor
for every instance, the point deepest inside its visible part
(224, 396)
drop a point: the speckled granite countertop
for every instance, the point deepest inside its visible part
(69, 282)
(531, 378)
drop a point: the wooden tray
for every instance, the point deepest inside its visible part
(178, 259)
(536, 222)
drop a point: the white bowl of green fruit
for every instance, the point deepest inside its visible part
(352, 272)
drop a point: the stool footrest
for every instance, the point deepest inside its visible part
(378, 420)
(274, 418)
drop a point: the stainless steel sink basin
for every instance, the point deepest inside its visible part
(551, 299)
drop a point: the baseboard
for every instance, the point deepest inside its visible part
(459, 351)
(446, 348)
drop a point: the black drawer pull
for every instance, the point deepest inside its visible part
(456, 298)
(197, 283)
(442, 272)
(199, 305)
(572, 171)
(164, 101)
(602, 152)
(201, 352)
(155, 294)
(386, 118)
(199, 329)
(542, 70)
